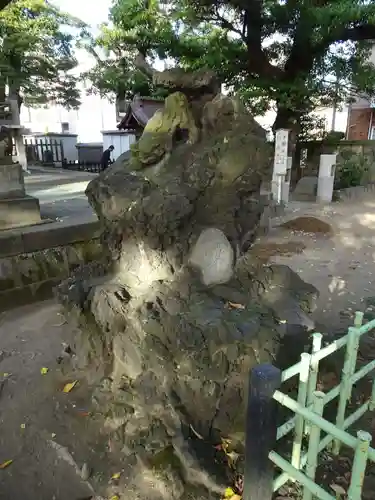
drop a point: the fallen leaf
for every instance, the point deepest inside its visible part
(196, 433)
(84, 413)
(44, 370)
(5, 375)
(229, 493)
(85, 472)
(68, 387)
(232, 458)
(116, 475)
(339, 490)
(53, 435)
(23, 426)
(236, 306)
(6, 464)
(115, 497)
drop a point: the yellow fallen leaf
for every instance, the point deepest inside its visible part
(236, 306)
(44, 370)
(116, 475)
(6, 464)
(68, 387)
(23, 426)
(5, 375)
(228, 493)
(115, 497)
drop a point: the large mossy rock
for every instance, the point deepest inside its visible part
(178, 319)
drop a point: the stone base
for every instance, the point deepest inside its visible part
(18, 212)
(11, 181)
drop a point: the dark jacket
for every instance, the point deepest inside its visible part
(106, 158)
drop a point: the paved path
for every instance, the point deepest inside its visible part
(61, 193)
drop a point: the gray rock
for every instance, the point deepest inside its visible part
(213, 256)
(306, 189)
(177, 324)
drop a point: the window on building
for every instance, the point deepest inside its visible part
(64, 127)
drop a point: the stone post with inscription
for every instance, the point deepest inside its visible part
(280, 166)
(17, 209)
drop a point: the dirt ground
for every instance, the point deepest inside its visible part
(54, 441)
(49, 435)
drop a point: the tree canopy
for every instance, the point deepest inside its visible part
(36, 53)
(294, 54)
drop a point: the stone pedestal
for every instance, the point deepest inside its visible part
(16, 208)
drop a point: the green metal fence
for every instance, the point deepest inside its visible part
(308, 420)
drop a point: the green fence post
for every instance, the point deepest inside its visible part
(313, 451)
(372, 400)
(358, 319)
(359, 465)
(345, 385)
(302, 393)
(313, 375)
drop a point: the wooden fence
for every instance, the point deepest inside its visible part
(261, 425)
(46, 151)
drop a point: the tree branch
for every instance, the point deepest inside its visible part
(225, 24)
(4, 3)
(355, 34)
(143, 66)
(258, 61)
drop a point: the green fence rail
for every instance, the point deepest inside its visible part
(308, 421)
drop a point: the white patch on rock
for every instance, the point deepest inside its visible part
(213, 255)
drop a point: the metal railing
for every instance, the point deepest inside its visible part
(308, 421)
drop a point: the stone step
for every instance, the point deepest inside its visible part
(19, 212)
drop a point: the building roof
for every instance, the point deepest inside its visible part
(138, 113)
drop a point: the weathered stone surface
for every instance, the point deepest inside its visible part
(213, 256)
(11, 181)
(306, 189)
(161, 131)
(180, 317)
(19, 212)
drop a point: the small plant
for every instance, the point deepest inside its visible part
(352, 169)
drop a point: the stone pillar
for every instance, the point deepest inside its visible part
(16, 208)
(285, 186)
(21, 149)
(280, 165)
(17, 134)
(326, 178)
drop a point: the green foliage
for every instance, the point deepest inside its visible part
(352, 169)
(36, 57)
(295, 55)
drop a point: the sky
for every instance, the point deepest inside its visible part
(93, 13)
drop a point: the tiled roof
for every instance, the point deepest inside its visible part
(139, 111)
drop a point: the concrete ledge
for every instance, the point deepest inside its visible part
(43, 236)
(33, 262)
(19, 212)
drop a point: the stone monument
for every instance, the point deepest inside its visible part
(17, 209)
(174, 317)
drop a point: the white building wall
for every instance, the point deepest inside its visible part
(120, 140)
(94, 115)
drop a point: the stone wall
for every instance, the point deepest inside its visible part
(34, 261)
(356, 194)
(316, 148)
